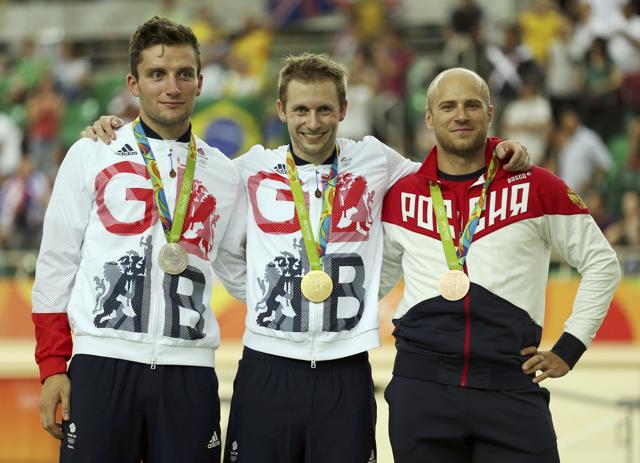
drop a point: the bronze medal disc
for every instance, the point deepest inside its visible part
(454, 285)
(316, 286)
(173, 258)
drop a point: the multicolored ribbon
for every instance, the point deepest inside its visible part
(457, 256)
(328, 195)
(314, 253)
(172, 228)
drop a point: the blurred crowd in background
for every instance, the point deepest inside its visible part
(564, 76)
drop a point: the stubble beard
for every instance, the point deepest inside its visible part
(171, 121)
(472, 149)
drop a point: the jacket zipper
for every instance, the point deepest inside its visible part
(467, 339)
(464, 378)
(159, 276)
(316, 312)
(156, 314)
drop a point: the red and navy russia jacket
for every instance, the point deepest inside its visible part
(476, 341)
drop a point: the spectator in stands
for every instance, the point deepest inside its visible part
(583, 29)
(346, 43)
(539, 24)
(605, 15)
(23, 201)
(392, 58)
(358, 121)
(251, 50)
(626, 231)
(562, 71)
(466, 18)
(238, 79)
(624, 47)
(528, 118)
(124, 105)
(215, 70)
(601, 80)
(633, 133)
(595, 201)
(10, 146)
(45, 110)
(207, 28)
(369, 18)
(510, 62)
(624, 43)
(465, 23)
(581, 154)
(72, 72)
(26, 74)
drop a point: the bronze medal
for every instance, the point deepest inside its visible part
(454, 285)
(316, 286)
(173, 258)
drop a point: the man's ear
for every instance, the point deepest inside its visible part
(199, 91)
(343, 110)
(281, 110)
(132, 84)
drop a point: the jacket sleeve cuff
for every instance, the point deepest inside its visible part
(569, 348)
(52, 366)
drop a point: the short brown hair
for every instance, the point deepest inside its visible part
(310, 67)
(160, 31)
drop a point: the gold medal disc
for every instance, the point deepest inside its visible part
(454, 285)
(316, 286)
(173, 258)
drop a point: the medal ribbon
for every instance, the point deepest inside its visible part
(315, 250)
(328, 195)
(172, 228)
(457, 256)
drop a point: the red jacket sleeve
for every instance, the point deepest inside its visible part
(53, 343)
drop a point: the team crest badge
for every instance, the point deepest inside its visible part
(575, 199)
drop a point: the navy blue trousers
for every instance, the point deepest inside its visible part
(125, 412)
(284, 411)
(437, 423)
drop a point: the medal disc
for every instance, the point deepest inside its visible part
(316, 286)
(173, 258)
(454, 285)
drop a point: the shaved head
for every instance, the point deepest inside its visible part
(445, 76)
(460, 113)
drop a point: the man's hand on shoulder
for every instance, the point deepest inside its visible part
(103, 129)
(516, 155)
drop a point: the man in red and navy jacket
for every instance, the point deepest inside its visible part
(464, 384)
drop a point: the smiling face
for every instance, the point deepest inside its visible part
(460, 114)
(167, 84)
(312, 113)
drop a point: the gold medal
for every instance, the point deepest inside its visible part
(316, 286)
(454, 285)
(173, 258)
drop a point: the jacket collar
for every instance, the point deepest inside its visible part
(429, 168)
(150, 133)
